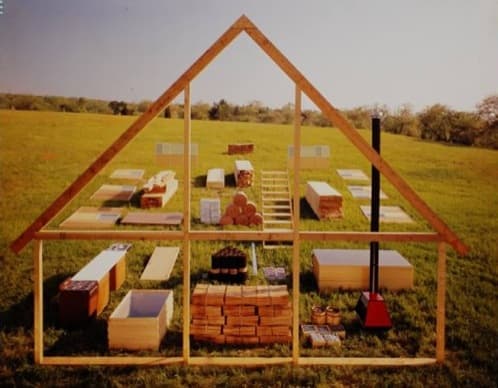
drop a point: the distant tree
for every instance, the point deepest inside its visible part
(287, 113)
(167, 112)
(487, 111)
(402, 122)
(435, 123)
(465, 127)
(143, 105)
(81, 104)
(114, 105)
(359, 117)
(221, 111)
(200, 111)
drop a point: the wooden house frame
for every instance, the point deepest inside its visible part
(442, 236)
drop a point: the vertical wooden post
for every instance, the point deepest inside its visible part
(38, 300)
(441, 296)
(296, 241)
(186, 223)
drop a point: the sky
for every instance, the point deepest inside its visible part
(392, 52)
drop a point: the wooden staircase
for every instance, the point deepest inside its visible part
(277, 205)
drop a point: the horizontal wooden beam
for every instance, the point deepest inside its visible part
(371, 236)
(145, 235)
(215, 235)
(110, 361)
(366, 361)
(238, 361)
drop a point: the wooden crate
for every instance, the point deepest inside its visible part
(140, 320)
(325, 201)
(349, 269)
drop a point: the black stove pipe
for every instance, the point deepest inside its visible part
(375, 209)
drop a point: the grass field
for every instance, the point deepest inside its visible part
(42, 153)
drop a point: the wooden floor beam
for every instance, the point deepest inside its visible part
(240, 361)
(255, 235)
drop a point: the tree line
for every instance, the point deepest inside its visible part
(436, 122)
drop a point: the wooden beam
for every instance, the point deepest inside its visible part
(440, 308)
(110, 361)
(361, 144)
(366, 361)
(141, 235)
(238, 361)
(152, 111)
(38, 301)
(255, 235)
(296, 243)
(371, 236)
(187, 134)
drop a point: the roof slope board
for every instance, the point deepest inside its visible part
(243, 24)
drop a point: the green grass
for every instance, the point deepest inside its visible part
(42, 153)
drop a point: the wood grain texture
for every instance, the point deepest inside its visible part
(161, 263)
(441, 301)
(38, 301)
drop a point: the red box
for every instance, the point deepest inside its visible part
(77, 301)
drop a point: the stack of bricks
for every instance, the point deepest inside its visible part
(241, 314)
(229, 265)
(158, 190)
(241, 148)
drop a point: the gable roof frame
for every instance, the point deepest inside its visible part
(241, 24)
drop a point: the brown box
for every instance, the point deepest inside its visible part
(77, 302)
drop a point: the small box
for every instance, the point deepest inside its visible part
(77, 301)
(140, 320)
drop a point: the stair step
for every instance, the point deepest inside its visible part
(277, 214)
(274, 172)
(276, 199)
(275, 192)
